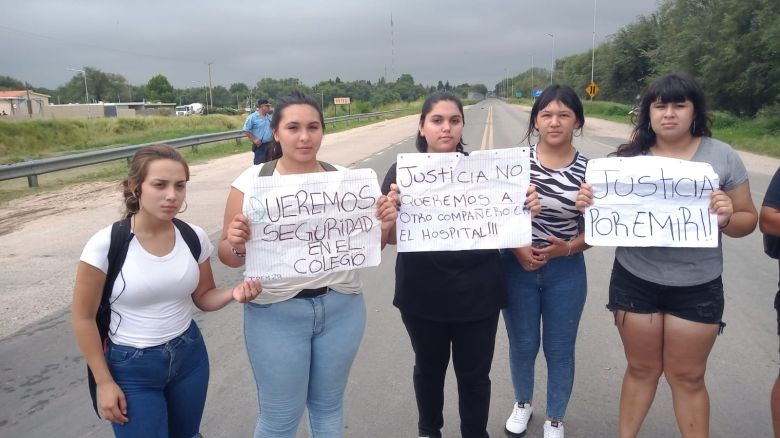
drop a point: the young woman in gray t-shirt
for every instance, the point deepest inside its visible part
(668, 302)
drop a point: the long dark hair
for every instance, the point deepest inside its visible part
(294, 98)
(562, 93)
(672, 87)
(433, 99)
(139, 167)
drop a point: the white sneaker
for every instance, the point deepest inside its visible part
(518, 420)
(553, 429)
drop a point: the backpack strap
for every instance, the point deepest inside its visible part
(121, 235)
(190, 237)
(269, 167)
(328, 167)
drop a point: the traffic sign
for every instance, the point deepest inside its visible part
(592, 89)
(518, 94)
(537, 92)
(341, 100)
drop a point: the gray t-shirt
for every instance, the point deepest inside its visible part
(688, 266)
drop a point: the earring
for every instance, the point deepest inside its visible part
(185, 207)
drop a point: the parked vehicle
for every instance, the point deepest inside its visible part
(188, 110)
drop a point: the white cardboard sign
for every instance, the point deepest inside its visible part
(311, 224)
(451, 202)
(651, 201)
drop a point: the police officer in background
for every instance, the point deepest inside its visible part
(257, 129)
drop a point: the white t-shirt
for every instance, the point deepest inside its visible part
(151, 301)
(275, 291)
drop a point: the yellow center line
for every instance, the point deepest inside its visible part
(487, 136)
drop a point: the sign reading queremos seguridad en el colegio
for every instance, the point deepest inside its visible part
(311, 224)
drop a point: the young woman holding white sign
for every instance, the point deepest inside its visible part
(295, 366)
(668, 302)
(449, 300)
(546, 281)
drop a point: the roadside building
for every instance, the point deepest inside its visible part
(18, 104)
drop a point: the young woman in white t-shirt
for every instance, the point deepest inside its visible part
(152, 374)
(301, 334)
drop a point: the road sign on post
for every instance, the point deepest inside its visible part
(592, 89)
(518, 94)
(537, 92)
(342, 101)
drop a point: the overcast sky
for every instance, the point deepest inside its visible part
(458, 41)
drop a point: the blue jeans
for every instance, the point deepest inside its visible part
(165, 386)
(261, 152)
(301, 351)
(555, 295)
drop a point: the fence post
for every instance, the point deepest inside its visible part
(32, 180)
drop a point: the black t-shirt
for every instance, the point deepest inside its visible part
(772, 199)
(448, 286)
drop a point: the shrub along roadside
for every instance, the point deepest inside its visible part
(116, 170)
(757, 135)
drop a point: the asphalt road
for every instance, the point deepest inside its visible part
(43, 391)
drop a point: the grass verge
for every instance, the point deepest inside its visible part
(116, 170)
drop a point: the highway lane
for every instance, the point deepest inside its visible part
(42, 392)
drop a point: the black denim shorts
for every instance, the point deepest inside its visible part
(699, 303)
(777, 309)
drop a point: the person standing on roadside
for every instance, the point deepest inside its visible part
(769, 223)
(449, 300)
(301, 333)
(546, 281)
(152, 372)
(667, 301)
(257, 128)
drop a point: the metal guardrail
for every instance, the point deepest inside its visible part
(31, 169)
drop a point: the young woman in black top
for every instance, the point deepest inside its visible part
(449, 299)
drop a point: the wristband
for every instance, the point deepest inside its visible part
(237, 254)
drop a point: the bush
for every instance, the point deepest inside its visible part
(227, 111)
(769, 116)
(723, 120)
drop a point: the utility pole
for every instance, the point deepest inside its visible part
(392, 47)
(532, 78)
(552, 57)
(593, 51)
(211, 96)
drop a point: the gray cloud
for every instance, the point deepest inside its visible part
(459, 41)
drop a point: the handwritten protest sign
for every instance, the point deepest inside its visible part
(451, 202)
(311, 224)
(651, 201)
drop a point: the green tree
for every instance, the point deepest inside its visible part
(158, 89)
(9, 83)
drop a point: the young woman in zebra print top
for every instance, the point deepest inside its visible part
(546, 281)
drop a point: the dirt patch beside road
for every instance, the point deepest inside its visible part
(42, 235)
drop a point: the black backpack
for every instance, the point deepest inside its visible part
(121, 235)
